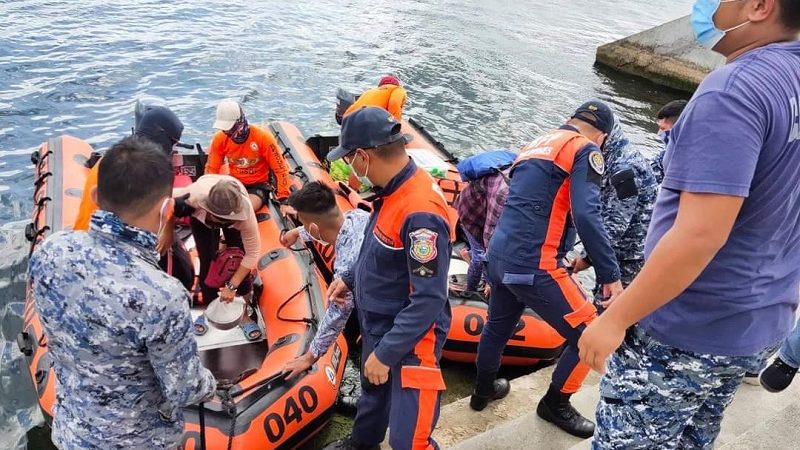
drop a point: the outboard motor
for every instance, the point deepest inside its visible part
(344, 100)
(144, 104)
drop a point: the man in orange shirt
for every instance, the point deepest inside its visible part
(389, 95)
(251, 153)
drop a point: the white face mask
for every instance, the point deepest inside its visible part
(318, 239)
(364, 180)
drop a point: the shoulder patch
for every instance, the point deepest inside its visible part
(423, 245)
(597, 162)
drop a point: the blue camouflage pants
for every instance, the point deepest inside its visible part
(654, 396)
(790, 350)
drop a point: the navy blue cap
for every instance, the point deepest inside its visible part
(162, 126)
(368, 127)
(596, 114)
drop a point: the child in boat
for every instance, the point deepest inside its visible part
(323, 222)
(252, 153)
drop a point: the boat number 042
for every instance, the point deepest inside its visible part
(474, 323)
(294, 408)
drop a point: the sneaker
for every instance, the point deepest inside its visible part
(349, 443)
(566, 417)
(751, 378)
(777, 376)
(500, 389)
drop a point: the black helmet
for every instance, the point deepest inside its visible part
(162, 126)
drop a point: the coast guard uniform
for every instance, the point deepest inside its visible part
(400, 287)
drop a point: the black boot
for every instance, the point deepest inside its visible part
(349, 444)
(555, 408)
(777, 376)
(481, 397)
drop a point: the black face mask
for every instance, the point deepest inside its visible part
(240, 131)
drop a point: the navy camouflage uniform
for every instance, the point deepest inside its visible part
(628, 194)
(120, 334)
(671, 392)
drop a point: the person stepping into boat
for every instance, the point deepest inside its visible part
(554, 192)
(389, 95)
(401, 287)
(220, 203)
(324, 222)
(119, 329)
(251, 153)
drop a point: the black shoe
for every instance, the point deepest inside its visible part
(777, 376)
(349, 444)
(500, 388)
(566, 417)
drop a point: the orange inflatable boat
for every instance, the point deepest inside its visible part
(534, 339)
(258, 409)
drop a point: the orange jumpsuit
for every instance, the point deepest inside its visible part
(389, 97)
(251, 161)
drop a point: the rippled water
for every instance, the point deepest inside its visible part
(480, 74)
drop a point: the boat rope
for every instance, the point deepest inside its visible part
(305, 288)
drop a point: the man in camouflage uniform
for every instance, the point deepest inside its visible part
(119, 328)
(628, 194)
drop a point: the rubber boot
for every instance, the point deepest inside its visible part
(485, 393)
(349, 444)
(555, 408)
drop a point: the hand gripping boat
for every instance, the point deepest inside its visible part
(533, 341)
(256, 407)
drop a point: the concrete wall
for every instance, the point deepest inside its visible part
(666, 54)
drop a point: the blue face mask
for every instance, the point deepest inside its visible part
(664, 135)
(705, 30)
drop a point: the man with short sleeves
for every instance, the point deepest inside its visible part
(720, 283)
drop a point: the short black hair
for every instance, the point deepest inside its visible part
(315, 198)
(672, 110)
(133, 175)
(390, 151)
(790, 13)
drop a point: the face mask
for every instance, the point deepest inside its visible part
(362, 179)
(318, 239)
(705, 30)
(664, 135)
(166, 213)
(240, 131)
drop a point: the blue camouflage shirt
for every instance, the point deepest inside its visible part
(347, 247)
(120, 334)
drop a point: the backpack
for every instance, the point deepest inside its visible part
(476, 167)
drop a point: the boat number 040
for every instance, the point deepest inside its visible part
(305, 403)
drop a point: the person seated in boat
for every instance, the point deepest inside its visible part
(214, 203)
(119, 329)
(251, 153)
(480, 204)
(389, 95)
(324, 222)
(159, 125)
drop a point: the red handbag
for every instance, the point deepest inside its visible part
(224, 265)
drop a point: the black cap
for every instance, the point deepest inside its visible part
(596, 114)
(368, 127)
(162, 126)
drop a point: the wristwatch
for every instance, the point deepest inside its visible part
(230, 286)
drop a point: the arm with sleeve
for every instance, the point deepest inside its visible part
(250, 238)
(397, 100)
(278, 165)
(215, 155)
(587, 215)
(428, 294)
(172, 351)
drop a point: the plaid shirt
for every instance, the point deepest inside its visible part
(480, 205)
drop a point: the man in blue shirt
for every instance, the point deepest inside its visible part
(722, 272)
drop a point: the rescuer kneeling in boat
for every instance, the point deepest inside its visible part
(389, 95)
(119, 329)
(251, 153)
(400, 286)
(220, 203)
(555, 189)
(324, 222)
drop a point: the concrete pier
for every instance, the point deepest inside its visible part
(666, 54)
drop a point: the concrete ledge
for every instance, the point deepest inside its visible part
(666, 54)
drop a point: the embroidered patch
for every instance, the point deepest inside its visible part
(254, 146)
(423, 245)
(596, 162)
